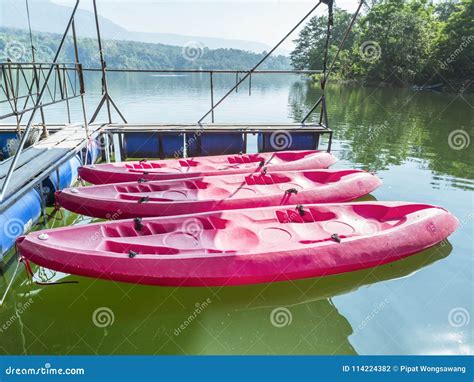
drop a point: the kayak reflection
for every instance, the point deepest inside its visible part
(295, 317)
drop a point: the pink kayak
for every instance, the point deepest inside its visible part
(205, 166)
(242, 246)
(228, 192)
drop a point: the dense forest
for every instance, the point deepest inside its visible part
(398, 42)
(15, 45)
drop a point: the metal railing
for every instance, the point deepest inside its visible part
(20, 85)
(211, 73)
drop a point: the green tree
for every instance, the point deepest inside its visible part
(454, 52)
(15, 45)
(311, 42)
(395, 41)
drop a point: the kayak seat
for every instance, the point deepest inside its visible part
(327, 177)
(291, 156)
(387, 213)
(238, 159)
(262, 179)
(309, 216)
(188, 163)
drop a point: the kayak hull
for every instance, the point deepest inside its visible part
(180, 197)
(205, 166)
(242, 247)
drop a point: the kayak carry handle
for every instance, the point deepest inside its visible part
(132, 254)
(291, 191)
(142, 180)
(262, 163)
(138, 224)
(336, 237)
(142, 160)
(300, 209)
(144, 199)
(264, 170)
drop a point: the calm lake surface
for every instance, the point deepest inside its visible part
(418, 143)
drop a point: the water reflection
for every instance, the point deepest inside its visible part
(384, 127)
(237, 320)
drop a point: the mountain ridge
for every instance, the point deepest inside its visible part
(41, 21)
(15, 45)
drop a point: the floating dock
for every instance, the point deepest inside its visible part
(40, 170)
(37, 162)
(179, 140)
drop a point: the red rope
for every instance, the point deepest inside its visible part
(30, 274)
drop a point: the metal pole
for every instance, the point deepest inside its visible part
(349, 28)
(312, 109)
(326, 73)
(14, 98)
(212, 96)
(81, 78)
(38, 102)
(260, 62)
(102, 62)
(107, 146)
(45, 130)
(63, 90)
(250, 84)
(229, 71)
(324, 113)
(117, 147)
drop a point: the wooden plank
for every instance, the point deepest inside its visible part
(176, 128)
(25, 158)
(26, 173)
(32, 152)
(39, 159)
(13, 128)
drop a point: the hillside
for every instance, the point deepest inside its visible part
(41, 12)
(14, 44)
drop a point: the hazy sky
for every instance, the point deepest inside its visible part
(264, 21)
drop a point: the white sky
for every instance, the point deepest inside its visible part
(263, 21)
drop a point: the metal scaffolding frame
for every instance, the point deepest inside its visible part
(37, 96)
(38, 84)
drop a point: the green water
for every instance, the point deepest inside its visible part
(421, 305)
